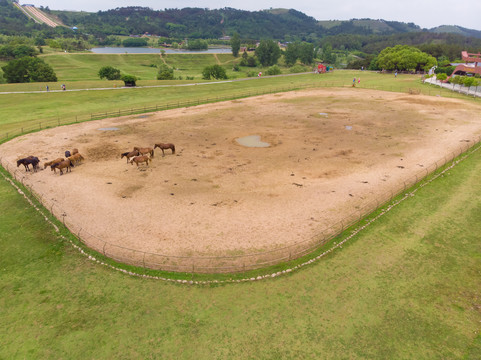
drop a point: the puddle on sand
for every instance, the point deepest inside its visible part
(324, 114)
(109, 129)
(348, 127)
(252, 141)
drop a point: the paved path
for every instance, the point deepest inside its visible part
(473, 91)
(152, 86)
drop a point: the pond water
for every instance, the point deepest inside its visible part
(109, 129)
(144, 50)
(252, 141)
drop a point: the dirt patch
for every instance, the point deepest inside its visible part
(214, 197)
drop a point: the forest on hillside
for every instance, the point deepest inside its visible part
(361, 38)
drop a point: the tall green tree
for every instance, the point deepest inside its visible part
(109, 72)
(403, 57)
(28, 69)
(306, 53)
(235, 43)
(268, 52)
(291, 54)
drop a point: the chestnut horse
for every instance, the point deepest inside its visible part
(144, 151)
(50, 163)
(62, 165)
(165, 147)
(141, 159)
(129, 154)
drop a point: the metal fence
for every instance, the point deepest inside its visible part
(58, 120)
(237, 263)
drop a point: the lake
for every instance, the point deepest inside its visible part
(143, 50)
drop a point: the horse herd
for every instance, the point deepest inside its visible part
(143, 155)
(71, 159)
(138, 156)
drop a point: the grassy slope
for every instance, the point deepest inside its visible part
(30, 109)
(408, 287)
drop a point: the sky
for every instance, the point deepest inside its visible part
(425, 13)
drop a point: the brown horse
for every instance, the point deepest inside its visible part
(50, 163)
(141, 159)
(165, 147)
(143, 151)
(66, 164)
(130, 154)
(76, 158)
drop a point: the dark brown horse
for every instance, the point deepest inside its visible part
(141, 159)
(130, 154)
(143, 151)
(30, 160)
(165, 147)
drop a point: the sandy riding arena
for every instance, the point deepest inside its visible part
(330, 152)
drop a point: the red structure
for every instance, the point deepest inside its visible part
(321, 69)
(472, 65)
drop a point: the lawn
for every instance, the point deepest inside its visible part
(406, 287)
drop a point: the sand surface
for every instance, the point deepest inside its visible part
(331, 151)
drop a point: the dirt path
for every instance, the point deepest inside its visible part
(332, 150)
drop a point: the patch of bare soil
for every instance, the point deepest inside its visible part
(214, 197)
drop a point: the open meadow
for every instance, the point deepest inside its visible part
(407, 286)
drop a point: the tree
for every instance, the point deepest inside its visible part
(327, 55)
(28, 69)
(403, 57)
(235, 43)
(165, 72)
(197, 44)
(268, 52)
(291, 53)
(214, 72)
(109, 73)
(306, 53)
(135, 42)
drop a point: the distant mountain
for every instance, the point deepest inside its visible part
(370, 26)
(197, 23)
(455, 29)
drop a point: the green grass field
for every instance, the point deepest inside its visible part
(406, 287)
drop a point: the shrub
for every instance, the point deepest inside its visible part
(441, 77)
(129, 80)
(469, 81)
(109, 73)
(448, 70)
(298, 69)
(165, 72)
(251, 73)
(251, 61)
(274, 70)
(214, 72)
